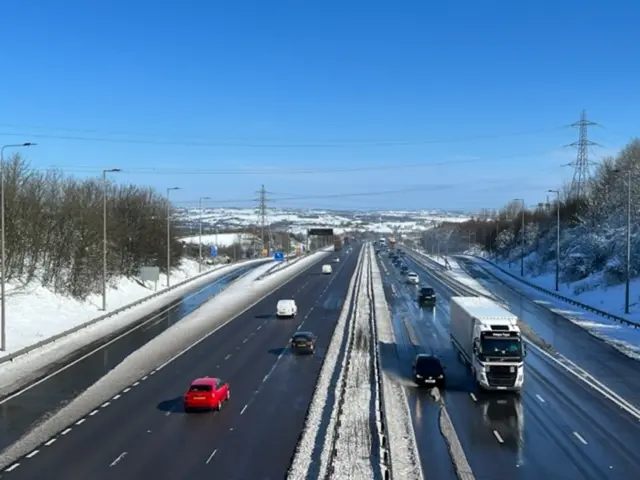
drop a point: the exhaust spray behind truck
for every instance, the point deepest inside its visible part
(489, 341)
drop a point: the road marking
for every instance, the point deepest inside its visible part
(120, 457)
(259, 327)
(126, 390)
(540, 398)
(579, 437)
(81, 421)
(33, 454)
(93, 413)
(50, 442)
(105, 404)
(12, 467)
(245, 340)
(473, 396)
(498, 437)
(64, 432)
(211, 456)
(136, 384)
(116, 397)
(243, 409)
(145, 377)
(227, 357)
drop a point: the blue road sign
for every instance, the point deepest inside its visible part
(214, 251)
(278, 256)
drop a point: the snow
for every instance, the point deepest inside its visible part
(222, 240)
(623, 337)
(302, 460)
(19, 371)
(153, 356)
(405, 460)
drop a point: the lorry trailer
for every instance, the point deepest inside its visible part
(489, 341)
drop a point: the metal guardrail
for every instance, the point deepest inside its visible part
(584, 306)
(281, 266)
(12, 356)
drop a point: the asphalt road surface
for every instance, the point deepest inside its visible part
(19, 413)
(146, 434)
(558, 428)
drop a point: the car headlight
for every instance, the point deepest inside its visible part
(418, 376)
(440, 376)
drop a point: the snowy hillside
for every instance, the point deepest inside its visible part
(298, 221)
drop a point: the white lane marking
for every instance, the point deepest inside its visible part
(64, 432)
(93, 413)
(498, 437)
(473, 396)
(211, 456)
(116, 397)
(120, 457)
(227, 357)
(259, 327)
(136, 384)
(145, 377)
(81, 421)
(579, 437)
(33, 454)
(245, 340)
(126, 390)
(50, 442)
(105, 404)
(243, 409)
(540, 398)
(12, 467)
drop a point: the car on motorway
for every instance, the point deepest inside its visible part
(336, 260)
(428, 370)
(286, 308)
(404, 270)
(326, 269)
(427, 296)
(412, 277)
(206, 393)
(303, 342)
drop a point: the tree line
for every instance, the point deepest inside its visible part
(592, 226)
(54, 229)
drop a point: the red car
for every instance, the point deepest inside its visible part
(206, 393)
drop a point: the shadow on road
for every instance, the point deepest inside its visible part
(172, 405)
(279, 351)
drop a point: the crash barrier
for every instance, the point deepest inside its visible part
(583, 306)
(47, 341)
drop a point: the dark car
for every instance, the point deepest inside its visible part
(404, 270)
(303, 342)
(428, 371)
(427, 296)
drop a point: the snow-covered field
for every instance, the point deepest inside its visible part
(169, 345)
(35, 313)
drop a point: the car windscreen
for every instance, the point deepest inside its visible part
(200, 388)
(428, 365)
(427, 291)
(301, 338)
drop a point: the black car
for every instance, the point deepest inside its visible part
(303, 342)
(428, 371)
(404, 270)
(427, 296)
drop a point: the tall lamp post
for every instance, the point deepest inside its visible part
(627, 285)
(104, 235)
(522, 238)
(3, 341)
(557, 192)
(200, 232)
(169, 190)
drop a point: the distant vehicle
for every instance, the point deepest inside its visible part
(286, 308)
(378, 251)
(427, 296)
(337, 243)
(303, 342)
(206, 393)
(489, 341)
(404, 270)
(428, 370)
(336, 260)
(391, 254)
(412, 277)
(326, 269)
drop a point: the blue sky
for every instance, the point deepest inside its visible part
(191, 87)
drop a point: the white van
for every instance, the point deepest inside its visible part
(327, 269)
(412, 277)
(286, 308)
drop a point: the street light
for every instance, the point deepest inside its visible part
(522, 237)
(104, 235)
(3, 341)
(627, 292)
(200, 235)
(169, 190)
(557, 192)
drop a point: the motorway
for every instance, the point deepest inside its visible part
(20, 411)
(144, 433)
(558, 428)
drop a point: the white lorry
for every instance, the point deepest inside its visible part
(489, 341)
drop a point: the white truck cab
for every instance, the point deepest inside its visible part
(286, 308)
(327, 269)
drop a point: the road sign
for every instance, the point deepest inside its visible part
(320, 232)
(214, 251)
(278, 256)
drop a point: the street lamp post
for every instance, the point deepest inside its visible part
(522, 238)
(200, 234)
(169, 190)
(3, 341)
(104, 235)
(557, 192)
(627, 286)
